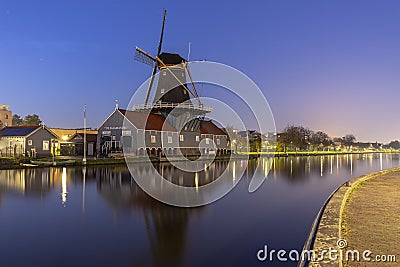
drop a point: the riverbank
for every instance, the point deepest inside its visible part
(323, 153)
(14, 163)
(362, 214)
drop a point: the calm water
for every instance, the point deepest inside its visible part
(60, 217)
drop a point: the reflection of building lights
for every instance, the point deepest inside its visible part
(266, 167)
(196, 181)
(322, 165)
(64, 191)
(234, 171)
(351, 164)
(337, 163)
(291, 167)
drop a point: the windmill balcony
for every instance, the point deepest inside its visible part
(171, 105)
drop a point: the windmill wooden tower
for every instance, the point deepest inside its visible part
(173, 92)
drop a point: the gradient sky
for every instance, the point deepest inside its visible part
(328, 65)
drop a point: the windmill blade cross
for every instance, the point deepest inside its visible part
(144, 57)
(162, 33)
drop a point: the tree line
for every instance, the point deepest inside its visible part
(299, 138)
(28, 120)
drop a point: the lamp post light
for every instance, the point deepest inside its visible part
(307, 142)
(53, 145)
(235, 144)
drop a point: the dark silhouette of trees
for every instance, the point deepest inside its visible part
(318, 139)
(348, 140)
(17, 120)
(394, 144)
(295, 137)
(29, 120)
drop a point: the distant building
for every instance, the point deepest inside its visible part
(33, 141)
(70, 141)
(5, 116)
(150, 133)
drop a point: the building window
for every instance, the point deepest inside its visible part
(218, 142)
(169, 139)
(183, 74)
(184, 91)
(207, 141)
(6, 124)
(164, 73)
(46, 145)
(153, 138)
(162, 90)
(6, 116)
(29, 142)
(114, 138)
(181, 138)
(197, 138)
(126, 133)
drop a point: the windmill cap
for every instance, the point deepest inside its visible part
(171, 59)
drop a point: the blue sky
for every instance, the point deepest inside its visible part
(328, 65)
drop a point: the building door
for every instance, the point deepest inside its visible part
(90, 149)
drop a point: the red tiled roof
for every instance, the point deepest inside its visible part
(147, 121)
(208, 127)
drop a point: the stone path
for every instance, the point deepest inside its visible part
(371, 220)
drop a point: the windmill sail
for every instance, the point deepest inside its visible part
(144, 57)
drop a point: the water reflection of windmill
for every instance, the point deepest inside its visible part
(172, 91)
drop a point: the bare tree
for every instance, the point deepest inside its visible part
(348, 140)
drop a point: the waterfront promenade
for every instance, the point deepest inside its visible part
(363, 214)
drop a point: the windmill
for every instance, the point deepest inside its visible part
(172, 92)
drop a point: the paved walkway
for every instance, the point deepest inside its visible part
(363, 214)
(371, 219)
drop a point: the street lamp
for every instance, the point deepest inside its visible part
(53, 145)
(234, 142)
(308, 143)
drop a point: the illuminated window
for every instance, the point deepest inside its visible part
(153, 138)
(29, 142)
(162, 90)
(197, 138)
(46, 145)
(164, 73)
(207, 141)
(169, 139)
(181, 138)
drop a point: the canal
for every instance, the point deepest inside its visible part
(98, 216)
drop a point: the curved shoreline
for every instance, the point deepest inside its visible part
(329, 228)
